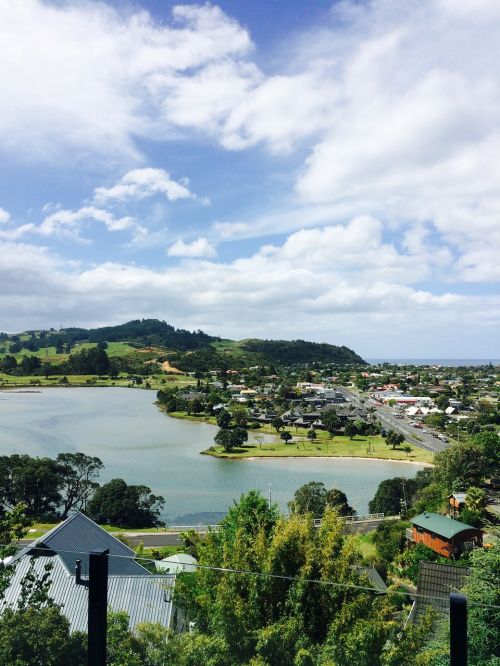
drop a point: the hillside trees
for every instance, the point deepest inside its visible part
(285, 619)
(48, 488)
(117, 503)
(79, 474)
(314, 498)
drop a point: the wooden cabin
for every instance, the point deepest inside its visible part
(444, 535)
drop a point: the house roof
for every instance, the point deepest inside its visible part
(436, 581)
(441, 525)
(144, 598)
(76, 537)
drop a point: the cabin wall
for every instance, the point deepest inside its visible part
(433, 541)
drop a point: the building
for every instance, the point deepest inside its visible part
(457, 503)
(444, 535)
(131, 588)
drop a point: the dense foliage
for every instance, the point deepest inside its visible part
(117, 503)
(314, 498)
(289, 352)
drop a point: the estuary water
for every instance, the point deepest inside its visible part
(141, 444)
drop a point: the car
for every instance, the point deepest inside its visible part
(419, 425)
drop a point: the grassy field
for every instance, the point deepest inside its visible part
(155, 381)
(365, 544)
(300, 446)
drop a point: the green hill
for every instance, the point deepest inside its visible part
(186, 350)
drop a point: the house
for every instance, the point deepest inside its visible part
(444, 535)
(131, 588)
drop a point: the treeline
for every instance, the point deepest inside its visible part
(139, 332)
(50, 489)
(287, 352)
(92, 361)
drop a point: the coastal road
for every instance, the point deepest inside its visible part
(415, 436)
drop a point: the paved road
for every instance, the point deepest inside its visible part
(159, 539)
(416, 436)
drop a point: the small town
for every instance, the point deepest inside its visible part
(249, 333)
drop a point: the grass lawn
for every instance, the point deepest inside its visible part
(300, 446)
(156, 381)
(365, 544)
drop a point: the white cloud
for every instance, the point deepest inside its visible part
(201, 247)
(91, 73)
(142, 183)
(70, 223)
(4, 216)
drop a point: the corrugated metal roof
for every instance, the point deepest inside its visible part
(144, 598)
(79, 535)
(441, 525)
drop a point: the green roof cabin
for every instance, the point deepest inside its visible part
(444, 535)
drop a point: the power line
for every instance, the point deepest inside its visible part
(264, 574)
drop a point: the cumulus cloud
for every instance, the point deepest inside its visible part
(314, 285)
(140, 184)
(70, 223)
(93, 75)
(4, 216)
(201, 247)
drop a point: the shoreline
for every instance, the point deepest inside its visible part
(391, 460)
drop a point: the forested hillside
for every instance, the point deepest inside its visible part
(189, 351)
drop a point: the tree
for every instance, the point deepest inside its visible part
(483, 594)
(476, 500)
(231, 439)
(286, 436)
(331, 421)
(224, 438)
(394, 439)
(277, 423)
(390, 493)
(350, 429)
(490, 444)
(36, 482)
(389, 539)
(309, 498)
(442, 402)
(240, 415)
(337, 499)
(195, 406)
(116, 503)
(223, 419)
(79, 474)
(311, 434)
(281, 618)
(460, 466)
(39, 636)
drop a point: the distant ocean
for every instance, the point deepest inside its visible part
(450, 362)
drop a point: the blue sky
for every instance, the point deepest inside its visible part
(275, 169)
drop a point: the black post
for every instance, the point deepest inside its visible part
(458, 629)
(98, 607)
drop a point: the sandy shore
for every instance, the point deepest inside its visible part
(405, 462)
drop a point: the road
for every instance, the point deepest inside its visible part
(173, 538)
(415, 436)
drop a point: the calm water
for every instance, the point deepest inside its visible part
(139, 443)
(447, 362)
